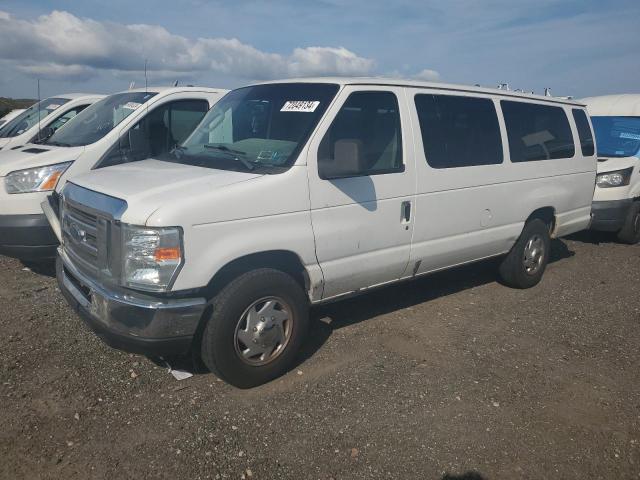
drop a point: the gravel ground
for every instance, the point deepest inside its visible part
(453, 376)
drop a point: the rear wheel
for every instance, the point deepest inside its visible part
(630, 232)
(257, 326)
(525, 264)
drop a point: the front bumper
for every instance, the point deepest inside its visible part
(610, 215)
(130, 321)
(28, 237)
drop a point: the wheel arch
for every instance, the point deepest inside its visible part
(283, 260)
(547, 215)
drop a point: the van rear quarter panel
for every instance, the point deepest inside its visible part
(469, 213)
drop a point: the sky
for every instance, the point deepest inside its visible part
(575, 47)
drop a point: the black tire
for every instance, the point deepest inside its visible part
(513, 271)
(218, 349)
(630, 232)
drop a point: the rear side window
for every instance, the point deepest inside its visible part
(584, 132)
(459, 131)
(365, 138)
(537, 132)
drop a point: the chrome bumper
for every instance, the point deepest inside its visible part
(131, 321)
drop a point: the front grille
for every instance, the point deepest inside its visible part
(90, 223)
(84, 236)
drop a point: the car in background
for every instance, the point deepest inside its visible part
(40, 120)
(121, 128)
(616, 200)
(12, 114)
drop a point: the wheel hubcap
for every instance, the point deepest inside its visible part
(533, 255)
(263, 331)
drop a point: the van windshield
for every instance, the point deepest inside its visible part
(617, 136)
(260, 128)
(30, 117)
(95, 121)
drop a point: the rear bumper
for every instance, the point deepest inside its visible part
(130, 321)
(28, 237)
(609, 216)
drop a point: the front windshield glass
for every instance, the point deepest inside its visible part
(97, 120)
(260, 128)
(30, 117)
(617, 136)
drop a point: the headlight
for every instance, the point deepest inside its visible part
(618, 178)
(151, 257)
(39, 179)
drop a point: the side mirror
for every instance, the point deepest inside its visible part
(43, 134)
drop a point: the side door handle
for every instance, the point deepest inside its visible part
(406, 211)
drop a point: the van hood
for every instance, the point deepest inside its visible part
(148, 184)
(609, 164)
(32, 155)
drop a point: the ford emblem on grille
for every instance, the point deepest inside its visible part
(79, 235)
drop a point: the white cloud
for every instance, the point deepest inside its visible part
(61, 43)
(56, 71)
(427, 75)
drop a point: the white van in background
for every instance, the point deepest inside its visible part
(40, 120)
(299, 192)
(121, 128)
(11, 115)
(616, 201)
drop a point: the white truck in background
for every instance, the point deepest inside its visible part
(41, 120)
(11, 115)
(121, 128)
(616, 200)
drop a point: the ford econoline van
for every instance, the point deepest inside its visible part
(42, 119)
(294, 193)
(121, 128)
(616, 200)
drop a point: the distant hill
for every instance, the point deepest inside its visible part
(8, 104)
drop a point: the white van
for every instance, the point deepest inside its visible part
(123, 127)
(11, 115)
(616, 201)
(294, 193)
(39, 121)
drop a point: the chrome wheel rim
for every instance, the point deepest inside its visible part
(533, 255)
(263, 331)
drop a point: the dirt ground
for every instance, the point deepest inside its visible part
(453, 376)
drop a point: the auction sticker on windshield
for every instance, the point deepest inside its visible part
(131, 105)
(53, 106)
(300, 106)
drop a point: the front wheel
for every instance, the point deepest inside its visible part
(257, 326)
(630, 232)
(525, 264)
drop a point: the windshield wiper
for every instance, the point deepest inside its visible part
(215, 146)
(56, 144)
(237, 154)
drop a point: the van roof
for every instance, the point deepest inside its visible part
(623, 105)
(168, 90)
(419, 84)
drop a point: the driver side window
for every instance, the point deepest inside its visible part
(159, 132)
(364, 139)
